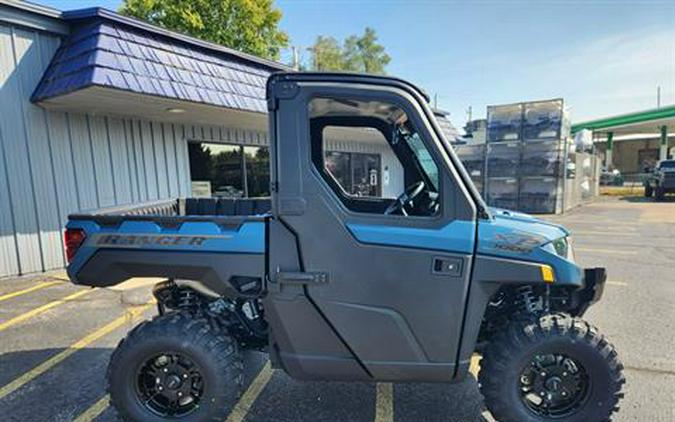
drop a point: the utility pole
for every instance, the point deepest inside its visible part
(658, 96)
(315, 58)
(296, 58)
(469, 114)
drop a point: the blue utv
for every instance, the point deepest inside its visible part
(390, 270)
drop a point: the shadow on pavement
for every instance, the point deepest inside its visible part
(639, 199)
(61, 392)
(439, 402)
(15, 364)
(70, 387)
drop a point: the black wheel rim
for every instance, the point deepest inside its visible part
(554, 386)
(170, 385)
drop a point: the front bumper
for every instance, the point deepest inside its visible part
(594, 285)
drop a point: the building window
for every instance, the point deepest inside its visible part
(229, 171)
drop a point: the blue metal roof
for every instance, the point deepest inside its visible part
(108, 50)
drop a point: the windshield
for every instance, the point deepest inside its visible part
(450, 150)
(423, 158)
(667, 164)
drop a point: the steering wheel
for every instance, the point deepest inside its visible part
(406, 198)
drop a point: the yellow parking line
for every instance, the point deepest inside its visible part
(474, 367)
(28, 290)
(246, 401)
(607, 251)
(617, 283)
(41, 309)
(487, 416)
(95, 410)
(80, 344)
(384, 402)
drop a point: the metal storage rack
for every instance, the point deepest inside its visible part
(503, 159)
(526, 156)
(502, 192)
(543, 195)
(473, 158)
(542, 158)
(504, 123)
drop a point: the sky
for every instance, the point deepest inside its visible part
(603, 57)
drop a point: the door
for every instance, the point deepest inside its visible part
(386, 270)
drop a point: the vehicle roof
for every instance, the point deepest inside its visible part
(341, 76)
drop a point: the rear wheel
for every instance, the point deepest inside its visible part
(176, 366)
(660, 193)
(557, 368)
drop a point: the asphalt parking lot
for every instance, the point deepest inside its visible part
(56, 339)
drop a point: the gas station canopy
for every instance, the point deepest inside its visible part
(656, 122)
(648, 121)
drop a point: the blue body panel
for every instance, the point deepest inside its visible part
(520, 236)
(457, 237)
(189, 236)
(513, 235)
(506, 234)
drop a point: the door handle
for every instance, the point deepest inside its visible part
(302, 278)
(447, 266)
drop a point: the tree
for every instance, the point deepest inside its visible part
(200, 161)
(365, 54)
(250, 26)
(227, 170)
(357, 54)
(327, 54)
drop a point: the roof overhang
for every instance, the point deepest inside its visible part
(107, 101)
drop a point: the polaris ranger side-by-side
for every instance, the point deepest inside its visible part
(400, 281)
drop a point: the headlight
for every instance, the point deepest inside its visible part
(561, 247)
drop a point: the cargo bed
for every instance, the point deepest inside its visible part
(224, 240)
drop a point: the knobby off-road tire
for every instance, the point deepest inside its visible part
(182, 354)
(507, 370)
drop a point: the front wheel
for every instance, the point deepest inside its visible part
(177, 366)
(556, 368)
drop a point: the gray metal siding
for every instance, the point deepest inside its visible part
(118, 160)
(16, 149)
(28, 48)
(225, 135)
(83, 163)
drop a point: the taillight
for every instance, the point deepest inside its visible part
(73, 239)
